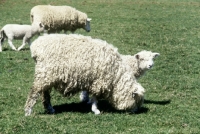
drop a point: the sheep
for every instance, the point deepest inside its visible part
(20, 32)
(138, 63)
(58, 18)
(73, 63)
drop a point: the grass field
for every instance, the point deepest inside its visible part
(170, 27)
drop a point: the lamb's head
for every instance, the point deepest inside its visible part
(37, 28)
(87, 26)
(145, 59)
(140, 62)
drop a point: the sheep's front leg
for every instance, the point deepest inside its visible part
(32, 98)
(11, 44)
(94, 105)
(84, 97)
(46, 102)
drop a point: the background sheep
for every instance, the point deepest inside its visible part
(19, 32)
(138, 63)
(72, 63)
(58, 18)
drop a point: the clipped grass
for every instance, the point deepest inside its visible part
(170, 27)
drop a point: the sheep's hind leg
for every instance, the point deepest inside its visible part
(47, 103)
(1, 44)
(94, 105)
(32, 98)
(11, 45)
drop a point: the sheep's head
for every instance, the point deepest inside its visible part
(87, 25)
(130, 98)
(145, 59)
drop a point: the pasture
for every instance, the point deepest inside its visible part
(170, 27)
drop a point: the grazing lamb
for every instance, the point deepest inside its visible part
(58, 18)
(19, 32)
(73, 63)
(138, 63)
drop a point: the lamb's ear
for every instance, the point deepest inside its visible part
(155, 55)
(89, 19)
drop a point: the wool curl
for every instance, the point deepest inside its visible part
(73, 63)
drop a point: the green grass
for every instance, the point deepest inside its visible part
(170, 27)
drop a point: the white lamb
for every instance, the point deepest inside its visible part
(19, 32)
(138, 63)
(73, 63)
(58, 18)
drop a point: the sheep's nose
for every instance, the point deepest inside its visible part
(150, 66)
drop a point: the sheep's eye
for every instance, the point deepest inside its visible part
(142, 59)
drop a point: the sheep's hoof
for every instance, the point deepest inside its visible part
(97, 112)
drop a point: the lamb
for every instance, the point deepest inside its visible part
(73, 63)
(138, 63)
(20, 32)
(58, 18)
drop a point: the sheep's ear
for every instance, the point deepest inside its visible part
(137, 56)
(155, 55)
(89, 19)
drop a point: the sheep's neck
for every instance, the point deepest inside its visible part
(139, 73)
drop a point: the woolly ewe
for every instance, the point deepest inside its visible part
(58, 18)
(73, 63)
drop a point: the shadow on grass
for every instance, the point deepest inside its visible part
(83, 107)
(157, 102)
(23, 49)
(6, 49)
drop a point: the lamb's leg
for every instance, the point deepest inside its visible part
(46, 102)
(23, 43)
(32, 98)
(94, 105)
(11, 44)
(1, 43)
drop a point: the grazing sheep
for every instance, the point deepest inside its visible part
(138, 63)
(58, 18)
(73, 63)
(19, 32)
